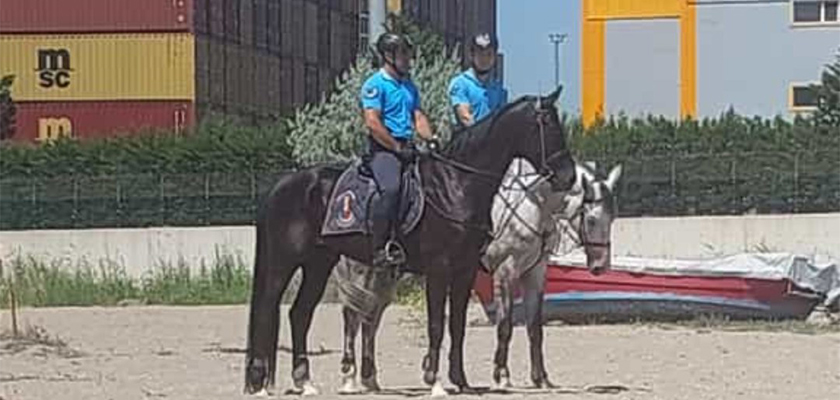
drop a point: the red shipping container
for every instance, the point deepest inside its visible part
(95, 16)
(40, 121)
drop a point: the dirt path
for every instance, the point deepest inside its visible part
(192, 353)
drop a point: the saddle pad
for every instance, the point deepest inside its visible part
(349, 204)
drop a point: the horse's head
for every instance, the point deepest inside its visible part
(538, 136)
(594, 210)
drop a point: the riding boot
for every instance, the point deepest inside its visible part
(387, 251)
(380, 236)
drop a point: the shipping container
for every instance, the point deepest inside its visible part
(202, 69)
(99, 67)
(216, 18)
(216, 84)
(239, 77)
(95, 16)
(42, 121)
(201, 17)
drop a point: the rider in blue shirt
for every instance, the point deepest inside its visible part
(392, 114)
(474, 94)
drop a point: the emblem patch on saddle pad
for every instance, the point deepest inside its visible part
(347, 217)
(349, 205)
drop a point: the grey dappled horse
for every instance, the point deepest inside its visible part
(524, 214)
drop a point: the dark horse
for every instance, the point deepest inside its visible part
(459, 184)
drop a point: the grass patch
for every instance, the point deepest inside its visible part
(60, 283)
(411, 291)
(37, 338)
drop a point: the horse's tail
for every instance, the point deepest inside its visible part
(364, 289)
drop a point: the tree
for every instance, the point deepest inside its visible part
(333, 130)
(7, 108)
(828, 95)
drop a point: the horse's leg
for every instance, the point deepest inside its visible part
(272, 272)
(348, 362)
(459, 297)
(533, 285)
(369, 381)
(503, 280)
(436, 286)
(316, 272)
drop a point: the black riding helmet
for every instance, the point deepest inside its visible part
(482, 41)
(391, 43)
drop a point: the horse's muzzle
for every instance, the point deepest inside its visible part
(597, 258)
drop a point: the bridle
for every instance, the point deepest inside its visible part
(579, 235)
(544, 168)
(544, 171)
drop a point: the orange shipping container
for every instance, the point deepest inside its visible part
(99, 67)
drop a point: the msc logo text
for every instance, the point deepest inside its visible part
(52, 128)
(54, 68)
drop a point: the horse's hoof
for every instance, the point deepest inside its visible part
(263, 393)
(502, 384)
(349, 386)
(544, 383)
(438, 391)
(466, 389)
(304, 389)
(310, 390)
(429, 378)
(370, 385)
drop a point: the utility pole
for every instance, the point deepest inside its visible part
(377, 12)
(557, 39)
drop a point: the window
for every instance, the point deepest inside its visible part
(815, 11)
(364, 35)
(803, 97)
(830, 11)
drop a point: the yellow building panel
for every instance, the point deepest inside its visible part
(593, 71)
(596, 13)
(395, 6)
(688, 62)
(99, 67)
(630, 9)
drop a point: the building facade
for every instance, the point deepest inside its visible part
(699, 58)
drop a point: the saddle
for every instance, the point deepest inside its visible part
(348, 210)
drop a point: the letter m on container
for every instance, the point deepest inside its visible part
(54, 68)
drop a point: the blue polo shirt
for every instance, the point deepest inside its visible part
(396, 100)
(482, 97)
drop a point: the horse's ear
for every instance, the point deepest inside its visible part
(553, 96)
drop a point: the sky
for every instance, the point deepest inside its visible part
(523, 29)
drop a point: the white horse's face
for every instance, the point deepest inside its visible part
(594, 218)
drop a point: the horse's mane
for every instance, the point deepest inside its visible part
(465, 137)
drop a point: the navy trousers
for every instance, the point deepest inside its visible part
(387, 171)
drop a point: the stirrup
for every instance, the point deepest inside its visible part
(389, 256)
(394, 252)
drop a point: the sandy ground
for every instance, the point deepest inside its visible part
(190, 353)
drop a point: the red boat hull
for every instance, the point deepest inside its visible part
(574, 295)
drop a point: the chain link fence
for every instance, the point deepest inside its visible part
(132, 200)
(729, 184)
(675, 185)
